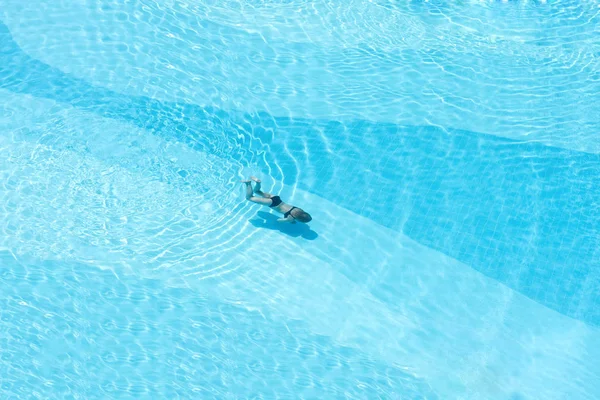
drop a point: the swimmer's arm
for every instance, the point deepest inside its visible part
(289, 219)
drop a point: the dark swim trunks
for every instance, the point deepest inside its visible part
(289, 213)
(275, 201)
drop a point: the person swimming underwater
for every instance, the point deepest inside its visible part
(290, 213)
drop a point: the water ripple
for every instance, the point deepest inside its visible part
(494, 67)
(100, 168)
(117, 188)
(128, 347)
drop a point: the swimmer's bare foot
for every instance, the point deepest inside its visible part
(246, 181)
(255, 179)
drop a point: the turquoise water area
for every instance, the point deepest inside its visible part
(446, 151)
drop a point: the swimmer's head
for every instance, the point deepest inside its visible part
(301, 215)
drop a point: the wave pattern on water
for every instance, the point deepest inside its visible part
(70, 329)
(131, 164)
(520, 212)
(493, 204)
(78, 186)
(498, 68)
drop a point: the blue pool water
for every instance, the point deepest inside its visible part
(447, 152)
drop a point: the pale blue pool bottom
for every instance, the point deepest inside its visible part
(520, 212)
(389, 320)
(142, 284)
(94, 334)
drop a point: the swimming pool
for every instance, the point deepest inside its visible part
(447, 153)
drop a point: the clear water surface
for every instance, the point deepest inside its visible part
(448, 152)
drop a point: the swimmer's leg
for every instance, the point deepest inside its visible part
(254, 199)
(249, 191)
(258, 190)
